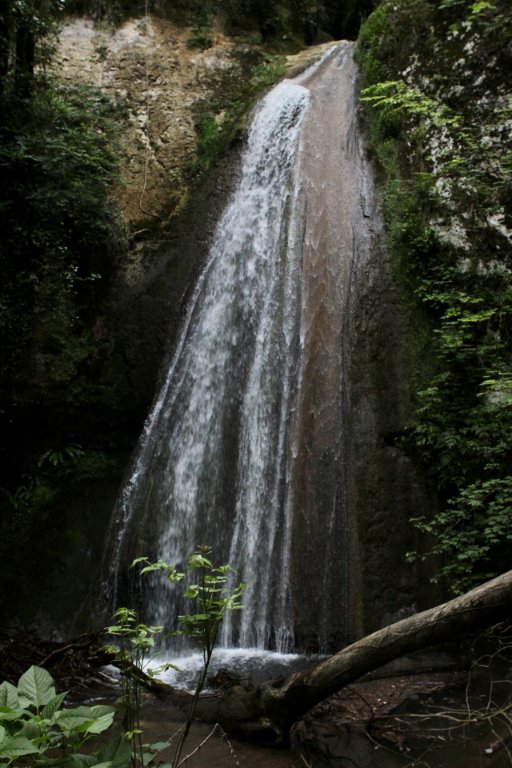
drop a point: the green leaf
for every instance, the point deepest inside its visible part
(6, 713)
(76, 760)
(37, 685)
(117, 751)
(165, 667)
(85, 719)
(108, 764)
(98, 710)
(17, 746)
(197, 560)
(74, 720)
(30, 729)
(8, 696)
(158, 746)
(53, 705)
(101, 724)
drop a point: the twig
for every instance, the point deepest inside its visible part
(64, 648)
(199, 746)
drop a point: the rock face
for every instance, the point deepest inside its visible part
(162, 87)
(440, 119)
(385, 489)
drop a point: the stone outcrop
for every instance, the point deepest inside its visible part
(161, 87)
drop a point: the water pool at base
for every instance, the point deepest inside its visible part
(236, 665)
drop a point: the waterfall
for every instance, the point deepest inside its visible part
(245, 447)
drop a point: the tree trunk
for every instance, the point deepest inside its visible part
(266, 713)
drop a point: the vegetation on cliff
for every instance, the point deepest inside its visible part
(60, 235)
(439, 107)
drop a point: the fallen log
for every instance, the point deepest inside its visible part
(266, 713)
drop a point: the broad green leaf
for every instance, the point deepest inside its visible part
(8, 695)
(37, 685)
(158, 746)
(6, 713)
(197, 560)
(17, 746)
(29, 729)
(23, 701)
(102, 709)
(139, 560)
(83, 712)
(74, 720)
(100, 724)
(53, 706)
(3, 733)
(85, 719)
(164, 668)
(76, 760)
(102, 765)
(117, 751)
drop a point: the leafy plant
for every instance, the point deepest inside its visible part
(65, 457)
(211, 597)
(134, 653)
(36, 730)
(405, 99)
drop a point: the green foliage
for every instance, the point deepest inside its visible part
(65, 457)
(211, 140)
(200, 38)
(210, 597)
(267, 73)
(56, 168)
(134, 652)
(27, 35)
(446, 162)
(40, 485)
(36, 730)
(472, 529)
(397, 96)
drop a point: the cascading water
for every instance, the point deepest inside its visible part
(245, 447)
